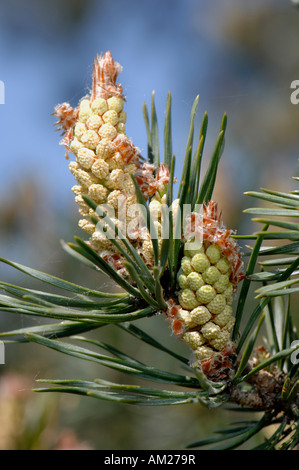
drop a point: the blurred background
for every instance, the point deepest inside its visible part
(241, 58)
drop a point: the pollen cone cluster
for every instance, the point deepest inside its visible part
(209, 272)
(105, 160)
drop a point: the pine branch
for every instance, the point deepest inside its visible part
(189, 275)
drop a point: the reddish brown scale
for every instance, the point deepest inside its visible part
(220, 364)
(66, 115)
(171, 313)
(104, 77)
(150, 183)
(128, 151)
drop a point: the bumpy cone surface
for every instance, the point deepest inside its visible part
(209, 273)
(105, 160)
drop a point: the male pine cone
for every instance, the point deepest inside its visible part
(105, 160)
(209, 272)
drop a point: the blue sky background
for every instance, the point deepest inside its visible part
(240, 56)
